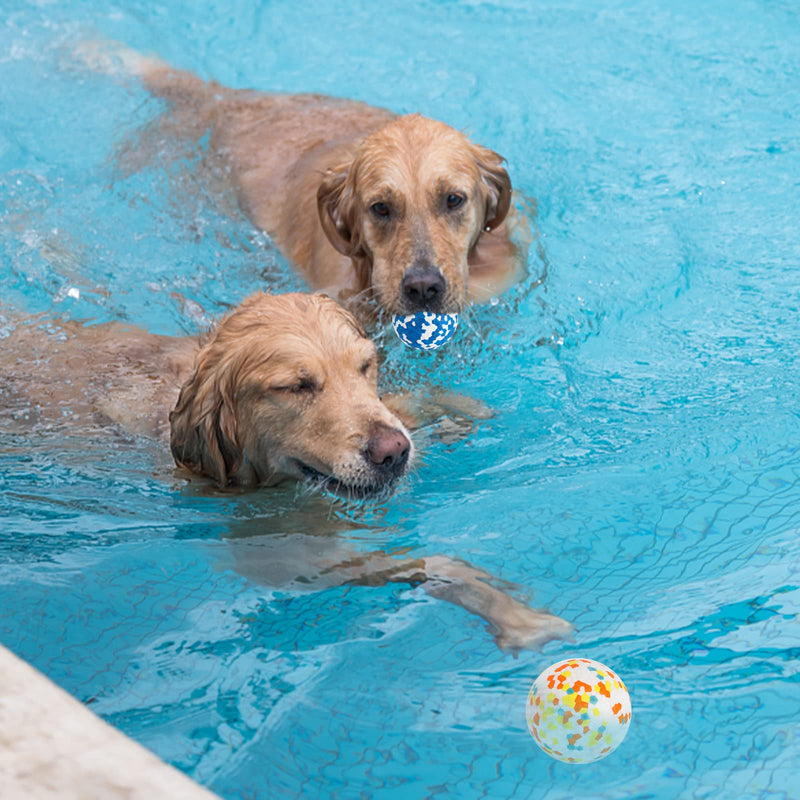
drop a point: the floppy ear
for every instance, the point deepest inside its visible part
(337, 210)
(498, 186)
(203, 431)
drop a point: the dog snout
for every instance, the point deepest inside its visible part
(387, 450)
(423, 288)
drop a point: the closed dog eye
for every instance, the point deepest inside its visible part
(367, 365)
(301, 386)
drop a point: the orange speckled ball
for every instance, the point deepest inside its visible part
(578, 710)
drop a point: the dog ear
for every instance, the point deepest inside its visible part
(203, 430)
(498, 185)
(337, 210)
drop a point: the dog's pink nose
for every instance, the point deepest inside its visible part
(388, 449)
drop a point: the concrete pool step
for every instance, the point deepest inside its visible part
(52, 746)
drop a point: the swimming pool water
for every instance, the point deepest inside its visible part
(641, 477)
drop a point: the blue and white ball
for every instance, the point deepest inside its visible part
(424, 330)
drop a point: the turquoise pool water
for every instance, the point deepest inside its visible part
(641, 477)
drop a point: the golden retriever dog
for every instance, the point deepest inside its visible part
(285, 387)
(404, 209)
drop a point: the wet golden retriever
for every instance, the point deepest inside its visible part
(284, 387)
(366, 203)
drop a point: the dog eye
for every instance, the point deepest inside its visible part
(454, 201)
(380, 210)
(365, 367)
(303, 386)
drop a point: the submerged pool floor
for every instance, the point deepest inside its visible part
(641, 475)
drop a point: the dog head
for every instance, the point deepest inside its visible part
(286, 387)
(409, 208)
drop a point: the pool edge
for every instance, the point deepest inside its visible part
(52, 746)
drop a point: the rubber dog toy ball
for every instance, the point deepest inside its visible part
(578, 711)
(425, 330)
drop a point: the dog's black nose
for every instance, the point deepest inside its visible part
(423, 289)
(388, 450)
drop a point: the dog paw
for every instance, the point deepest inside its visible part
(444, 416)
(528, 629)
(460, 405)
(113, 58)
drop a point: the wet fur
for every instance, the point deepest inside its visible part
(233, 422)
(308, 168)
(243, 415)
(237, 418)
